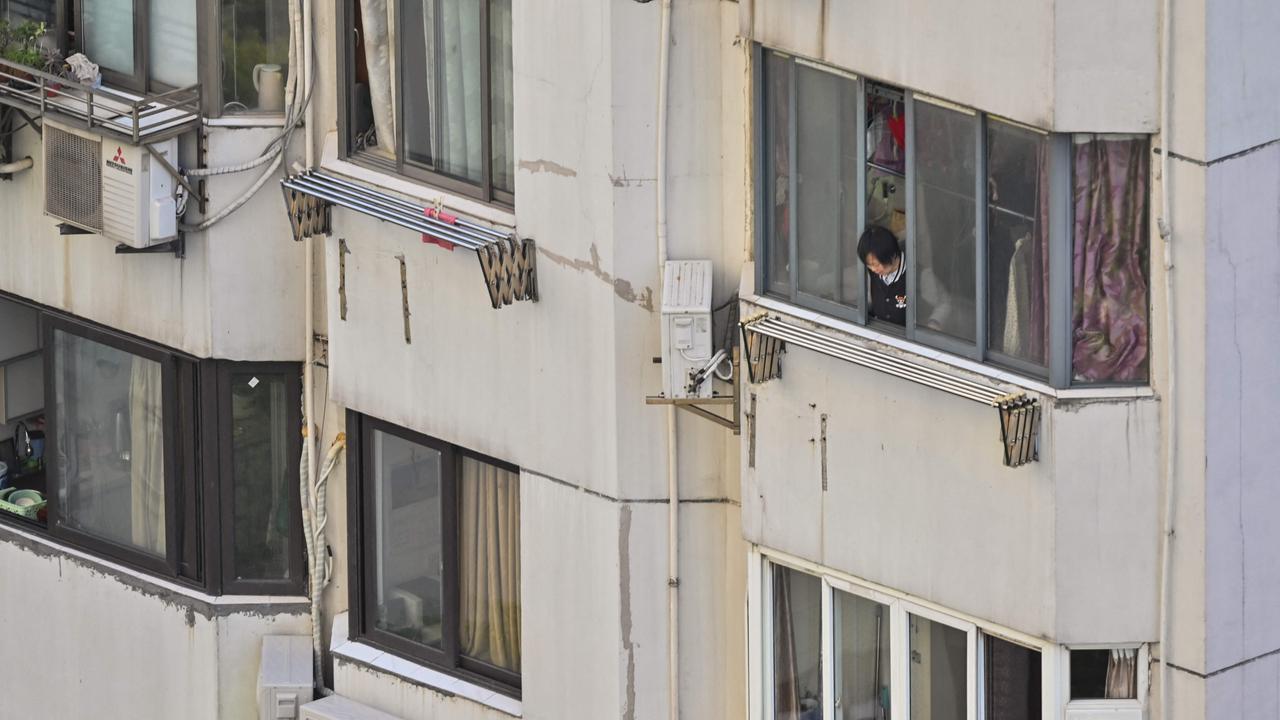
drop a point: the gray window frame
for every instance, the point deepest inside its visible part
(484, 191)
(1057, 371)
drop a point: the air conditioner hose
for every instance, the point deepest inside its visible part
(17, 166)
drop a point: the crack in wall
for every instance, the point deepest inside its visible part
(621, 287)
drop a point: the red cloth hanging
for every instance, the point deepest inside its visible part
(444, 217)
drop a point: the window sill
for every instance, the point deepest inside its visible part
(247, 120)
(379, 661)
(948, 361)
(209, 606)
(414, 190)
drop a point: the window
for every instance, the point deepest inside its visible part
(1003, 243)
(435, 552)
(885, 657)
(435, 103)
(1104, 674)
(262, 542)
(143, 45)
(255, 55)
(141, 454)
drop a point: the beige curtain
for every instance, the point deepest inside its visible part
(489, 526)
(146, 465)
(1122, 674)
(379, 41)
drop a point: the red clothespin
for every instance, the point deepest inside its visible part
(437, 212)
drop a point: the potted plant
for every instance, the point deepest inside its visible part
(20, 44)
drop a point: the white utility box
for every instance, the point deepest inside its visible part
(110, 187)
(336, 707)
(284, 677)
(686, 327)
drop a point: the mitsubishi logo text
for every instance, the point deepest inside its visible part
(118, 162)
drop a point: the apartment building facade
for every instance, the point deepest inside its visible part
(943, 497)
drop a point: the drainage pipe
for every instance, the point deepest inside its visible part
(673, 478)
(17, 166)
(1170, 395)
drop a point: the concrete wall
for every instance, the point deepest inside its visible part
(1079, 66)
(558, 387)
(236, 295)
(85, 638)
(917, 499)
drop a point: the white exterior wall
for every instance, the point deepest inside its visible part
(86, 638)
(557, 387)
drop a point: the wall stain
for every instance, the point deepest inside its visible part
(624, 589)
(624, 181)
(547, 166)
(621, 287)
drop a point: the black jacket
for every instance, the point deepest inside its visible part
(889, 300)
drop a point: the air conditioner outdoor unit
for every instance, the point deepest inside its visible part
(686, 327)
(108, 187)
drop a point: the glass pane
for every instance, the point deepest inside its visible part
(409, 555)
(111, 443)
(939, 671)
(886, 160)
(797, 643)
(263, 483)
(1017, 242)
(172, 42)
(777, 172)
(255, 55)
(1104, 674)
(946, 171)
(862, 658)
(1013, 681)
(16, 12)
(1109, 310)
(489, 564)
(826, 185)
(441, 53)
(501, 98)
(108, 33)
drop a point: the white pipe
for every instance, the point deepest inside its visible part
(17, 166)
(673, 479)
(1170, 395)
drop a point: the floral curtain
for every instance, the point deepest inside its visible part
(1109, 310)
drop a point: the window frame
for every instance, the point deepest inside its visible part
(901, 606)
(362, 585)
(297, 582)
(484, 191)
(1057, 370)
(175, 485)
(194, 438)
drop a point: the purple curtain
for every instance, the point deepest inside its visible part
(1109, 310)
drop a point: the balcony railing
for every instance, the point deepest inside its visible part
(135, 118)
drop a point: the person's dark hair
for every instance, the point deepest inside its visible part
(878, 241)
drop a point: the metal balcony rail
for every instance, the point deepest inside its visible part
(137, 119)
(508, 264)
(765, 339)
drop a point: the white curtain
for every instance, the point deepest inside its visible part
(172, 32)
(1122, 674)
(503, 103)
(146, 459)
(451, 29)
(379, 41)
(109, 33)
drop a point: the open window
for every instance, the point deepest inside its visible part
(429, 92)
(129, 450)
(960, 230)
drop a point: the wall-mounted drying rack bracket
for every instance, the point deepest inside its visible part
(766, 338)
(507, 263)
(701, 406)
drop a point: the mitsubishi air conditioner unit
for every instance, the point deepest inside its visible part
(109, 187)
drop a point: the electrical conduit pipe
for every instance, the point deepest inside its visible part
(1170, 395)
(673, 484)
(17, 166)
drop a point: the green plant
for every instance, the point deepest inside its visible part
(21, 44)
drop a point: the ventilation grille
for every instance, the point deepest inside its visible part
(73, 178)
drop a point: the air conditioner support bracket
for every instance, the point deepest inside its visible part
(766, 338)
(697, 405)
(177, 246)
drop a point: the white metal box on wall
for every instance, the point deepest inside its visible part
(686, 327)
(109, 187)
(285, 677)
